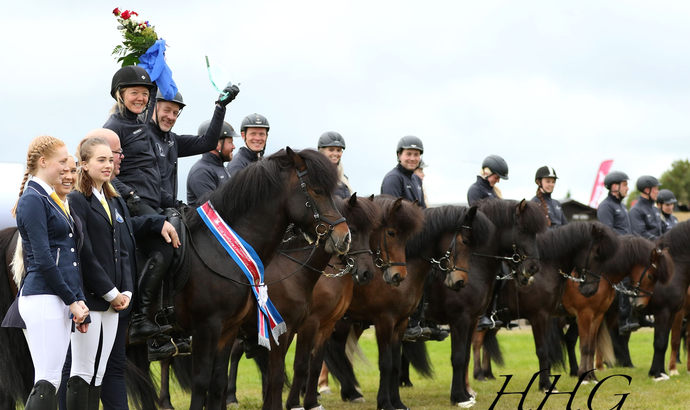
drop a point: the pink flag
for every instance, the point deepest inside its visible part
(599, 189)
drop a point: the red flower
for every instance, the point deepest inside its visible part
(134, 13)
(125, 15)
(116, 11)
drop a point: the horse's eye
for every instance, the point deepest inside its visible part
(391, 233)
(319, 191)
(652, 277)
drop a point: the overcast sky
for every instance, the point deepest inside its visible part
(540, 83)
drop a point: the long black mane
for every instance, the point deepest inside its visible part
(262, 181)
(409, 218)
(636, 250)
(555, 244)
(501, 212)
(449, 219)
(678, 241)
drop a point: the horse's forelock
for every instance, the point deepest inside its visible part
(320, 170)
(664, 268)
(449, 219)
(364, 216)
(633, 250)
(408, 218)
(501, 212)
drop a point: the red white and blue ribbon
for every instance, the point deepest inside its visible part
(247, 259)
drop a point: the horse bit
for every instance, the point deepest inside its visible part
(445, 264)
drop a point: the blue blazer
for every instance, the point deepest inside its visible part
(50, 239)
(104, 257)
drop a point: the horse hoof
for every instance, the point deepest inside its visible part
(673, 373)
(319, 407)
(662, 378)
(465, 404)
(325, 390)
(298, 408)
(358, 400)
(473, 394)
(233, 405)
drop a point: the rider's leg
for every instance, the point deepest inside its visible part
(627, 320)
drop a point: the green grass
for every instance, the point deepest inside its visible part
(521, 362)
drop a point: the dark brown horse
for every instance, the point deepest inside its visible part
(517, 225)
(450, 236)
(572, 247)
(259, 204)
(648, 268)
(677, 333)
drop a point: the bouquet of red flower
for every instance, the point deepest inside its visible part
(138, 37)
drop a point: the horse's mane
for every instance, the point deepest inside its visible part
(501, 213)
(259, 182)
(636, 250)
(449, 219)
(677, 239)
(409, 218)
(364, 216)
(554, 244)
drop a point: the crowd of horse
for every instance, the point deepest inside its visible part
(330, 277)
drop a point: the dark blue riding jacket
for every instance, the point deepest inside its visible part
(613, 213)
(205, 176)
(480, 190)
(669, 222)
(400, 182)
(241, 160)
(342, 190)
(645, 219)
(556, 214)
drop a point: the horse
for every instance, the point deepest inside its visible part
(588, 297)
(576, 245)
(17, 376)
(515, 240)
(677, 332)
(258, 204)
(450, 237)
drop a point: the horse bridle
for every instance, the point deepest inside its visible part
(445, 263)
(515, 258)
(325, 226)
(378, 261)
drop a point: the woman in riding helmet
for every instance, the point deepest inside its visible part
(546, 178)
(666, 202)
(332, 145)
(494, 168)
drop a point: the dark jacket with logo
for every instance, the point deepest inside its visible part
(645, 219)
(168, 147)
(205, 176)
(614, 214)
(139, 170)
(341, 190)
(400, 182)
(556, 214)
(481, 189)
(241, 160)
(668, 222)
(104, 257)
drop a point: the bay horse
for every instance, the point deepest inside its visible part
(678, 331)
(447, 242)
(259, 204)
(589, 297)
(515, 239)
(571, 247)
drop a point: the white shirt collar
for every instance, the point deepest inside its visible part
(46, 187)
(99, 195)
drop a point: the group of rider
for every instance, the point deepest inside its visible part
(143, 173)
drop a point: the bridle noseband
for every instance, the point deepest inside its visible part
(325, 226)
(378, 261)
(516, 258)
(446, 263)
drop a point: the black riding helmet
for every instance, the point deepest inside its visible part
(646, 181)
(254, 121)
(226, 132)
(545, 172)
(410, 142)
(666, 197)
(331, 139)
(614, 177)
(177, 99)
(130, 76)
(497, 165)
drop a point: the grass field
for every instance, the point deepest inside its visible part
(521, 362)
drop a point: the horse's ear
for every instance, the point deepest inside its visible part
(472, 212)
(597, 232)
(296, 160)
(371, 198)
(415, 202)
(662, 246)
(521, 207)
(353, 199)
(396, 205)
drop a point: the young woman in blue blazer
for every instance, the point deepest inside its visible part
(50, 298)
(105, 270)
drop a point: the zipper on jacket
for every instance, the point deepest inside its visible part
(57, 258)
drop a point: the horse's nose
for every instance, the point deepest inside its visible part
(396, 279)
(366, 277)
(459, 284)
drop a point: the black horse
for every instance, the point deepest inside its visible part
(517, 225)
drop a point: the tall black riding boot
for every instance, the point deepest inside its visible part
(77, 394)
(627, 321)
(94, 397)
(42, 397)
(486, 322)
(141, 328)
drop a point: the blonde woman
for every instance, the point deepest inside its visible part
(51, 297)
(332, 145)
(494, 169)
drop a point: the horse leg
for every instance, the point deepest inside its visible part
(275, 379)
(675, 343)
(216, 395)
(477, 342)
(300, 368)
(570, 341)
(662, 328)
(405, 372)
(384, 339)
(341, 367)
(205, 336)
(540, 325)
(235, 355)
(460, 344)
(396, 354)
(588, 326)
(486, 361)
(164, 400)
(323, 380)
(316, 366)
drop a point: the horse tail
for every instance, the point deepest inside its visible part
(18, 263)
(604, 345)
(354, 350)
(683, 338)
(556, 344)
(418, 356)
(338, 363)
(492, 347)
(142, 389)
(17, 376)
(182, 368)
